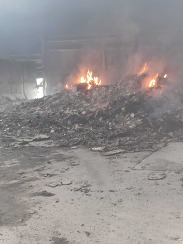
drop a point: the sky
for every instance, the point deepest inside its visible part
(24, 23)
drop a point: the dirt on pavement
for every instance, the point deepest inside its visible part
(77, 196)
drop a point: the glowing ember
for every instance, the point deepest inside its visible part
(82, 80)
(66, 87)
(153, 82)
(90, 80)
(143, 69)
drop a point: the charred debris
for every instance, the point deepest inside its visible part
(119, 116)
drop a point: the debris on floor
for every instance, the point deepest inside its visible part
(43, 194)
(156, 176)
(106, 118)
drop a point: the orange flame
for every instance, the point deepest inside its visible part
(143, 69)
(153, 81)
(66, 87)
(90, 80)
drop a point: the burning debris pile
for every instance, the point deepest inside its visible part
(108, 116)
(85, 84)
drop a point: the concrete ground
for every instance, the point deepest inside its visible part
(77, 196)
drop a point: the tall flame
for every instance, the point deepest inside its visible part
(90, 80)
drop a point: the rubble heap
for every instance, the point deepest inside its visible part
(108, 116)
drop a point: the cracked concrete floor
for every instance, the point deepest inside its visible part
(76, 196)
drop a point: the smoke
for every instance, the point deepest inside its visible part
(150, 31)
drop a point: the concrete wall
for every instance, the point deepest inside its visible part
(67, 66)
(59, 67)
(116, 61)
(18, 79)
(109, 63)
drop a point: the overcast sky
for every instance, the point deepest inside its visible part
(24, 22)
